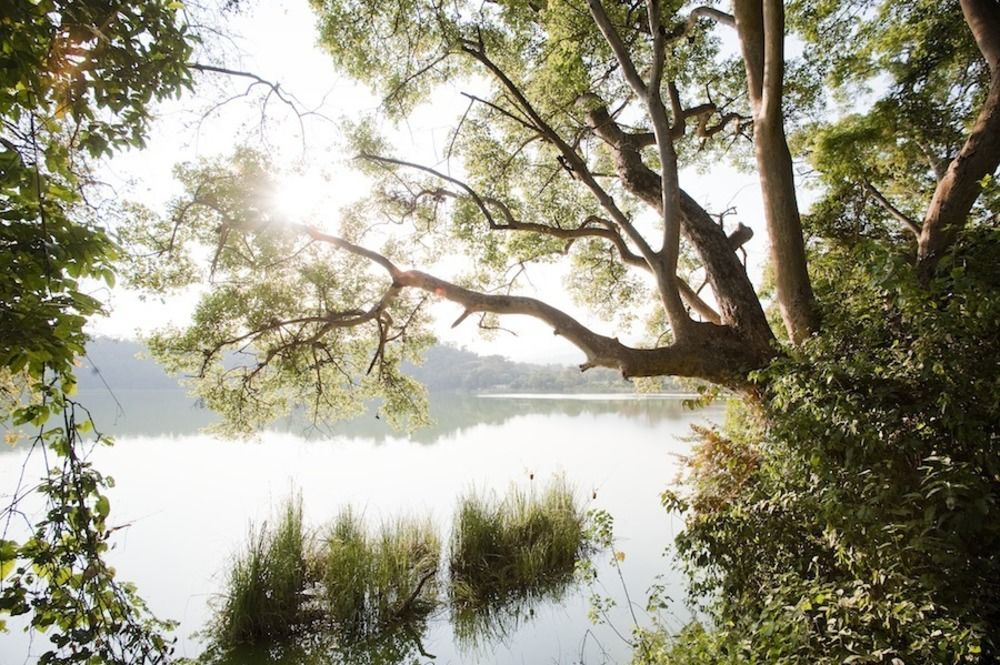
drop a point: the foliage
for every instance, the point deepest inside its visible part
(58, 578)
(77, 82)
(896, 147)
(850, 519)
(289, 322)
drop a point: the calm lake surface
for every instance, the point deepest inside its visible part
(189, 499)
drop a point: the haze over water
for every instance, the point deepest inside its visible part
(189, 498)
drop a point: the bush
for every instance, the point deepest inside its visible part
(524, 544)
(850, 515)
(373, 582)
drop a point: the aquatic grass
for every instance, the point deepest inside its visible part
(265, 584)
(344, 568)
(374, 581)
(377, 589)
(526, 544)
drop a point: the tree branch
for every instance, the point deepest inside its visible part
(720, 17)
(574, 162)
(979, 157)
(983, 19)
(586, 229)
(911, 225)
(716, 353)
(738, 303)
(666, 269)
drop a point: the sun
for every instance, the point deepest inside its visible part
(301, 198)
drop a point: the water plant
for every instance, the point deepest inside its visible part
(526, 544)
(360, 595)
(265, 584)
(372, 581)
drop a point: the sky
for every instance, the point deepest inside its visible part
(277, 40)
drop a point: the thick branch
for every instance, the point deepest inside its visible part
(738, 303)
(720, 17)
(983, 18)
(692, 298)
(618, 47)
(774, 58)
(715, 353)
(760, 24)
(666, 271)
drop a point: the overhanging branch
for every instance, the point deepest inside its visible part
(715, 353)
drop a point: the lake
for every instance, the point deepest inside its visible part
(188, 500)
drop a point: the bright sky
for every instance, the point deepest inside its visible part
(277, 41)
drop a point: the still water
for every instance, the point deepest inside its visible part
(188, 500)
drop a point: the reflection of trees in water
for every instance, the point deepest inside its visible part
(454, 413)
(130, 413)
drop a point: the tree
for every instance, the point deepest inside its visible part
(577, 154)
(77, 82)
(831, 519)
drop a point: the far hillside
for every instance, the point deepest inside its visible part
(122, 365)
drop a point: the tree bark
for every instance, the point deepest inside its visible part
(760, 25)
(712, 352)
(737, 301)
(958, 190)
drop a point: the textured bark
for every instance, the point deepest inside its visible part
(760, 24)
(958, 190)
(738, 305)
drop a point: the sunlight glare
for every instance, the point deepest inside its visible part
(301, 198)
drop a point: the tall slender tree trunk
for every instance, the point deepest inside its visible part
(760, 25)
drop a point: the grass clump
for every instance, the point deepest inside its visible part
(265, 584)
(526, 544)
(374, 581)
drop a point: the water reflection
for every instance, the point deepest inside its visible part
(128, 413)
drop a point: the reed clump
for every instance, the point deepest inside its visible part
(265, 584)
(372, 581)
(526, 544)
(378, 588)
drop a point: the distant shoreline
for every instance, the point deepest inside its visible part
(591, 396)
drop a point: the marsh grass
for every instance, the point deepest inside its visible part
(373, 581)
(365, 593)
(265, 584)
(525, 545)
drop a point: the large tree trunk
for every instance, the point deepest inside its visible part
(979, 157)
(760, 24)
